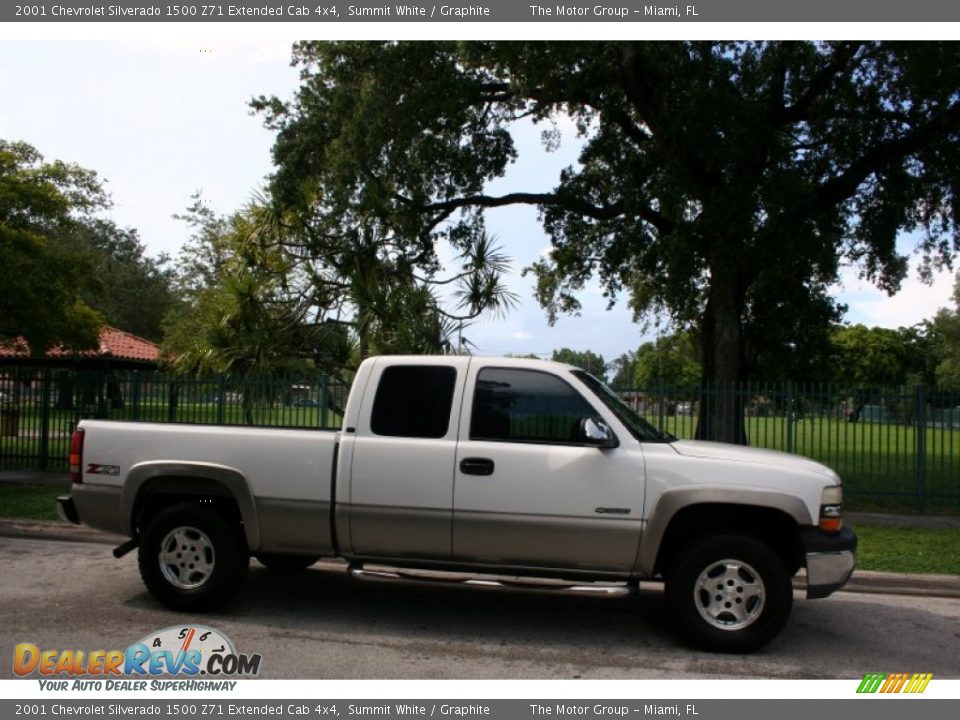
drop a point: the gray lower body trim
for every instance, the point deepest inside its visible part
(294, 527)
(827, 572)
(603, 544)
(400, 531)
(98, 506)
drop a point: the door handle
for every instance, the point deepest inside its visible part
(476, 466)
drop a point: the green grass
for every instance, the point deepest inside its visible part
(30, 502)
(908, 550)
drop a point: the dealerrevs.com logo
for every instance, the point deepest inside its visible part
(177, 651)
(895, 683)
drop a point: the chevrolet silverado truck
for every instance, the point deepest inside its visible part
(497, 469)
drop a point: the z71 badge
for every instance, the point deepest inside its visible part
(98, 469)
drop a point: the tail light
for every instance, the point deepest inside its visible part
(76, 456)
(831, 509)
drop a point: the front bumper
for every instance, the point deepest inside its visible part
(830, 559)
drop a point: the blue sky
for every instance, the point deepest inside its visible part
(160, 118)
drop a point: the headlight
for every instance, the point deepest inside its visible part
(831, 509)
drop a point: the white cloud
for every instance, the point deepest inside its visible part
(914, 302)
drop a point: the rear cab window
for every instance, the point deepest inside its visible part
(414, 401)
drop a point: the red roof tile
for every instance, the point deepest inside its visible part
(113, 344)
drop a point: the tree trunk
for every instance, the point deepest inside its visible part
(721, 399)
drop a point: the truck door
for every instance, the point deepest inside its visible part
(528, 491)
(401, 473)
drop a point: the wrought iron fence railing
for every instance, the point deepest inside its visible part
(40, 407)
(895, 448)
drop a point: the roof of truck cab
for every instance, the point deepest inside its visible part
(464, 360)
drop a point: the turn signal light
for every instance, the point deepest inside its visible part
(76, 456)
(828, 524)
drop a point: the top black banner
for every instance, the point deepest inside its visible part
(327, 11)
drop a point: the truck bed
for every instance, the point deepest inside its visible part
(287, 471)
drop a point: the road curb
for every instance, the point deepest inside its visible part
(863, 581)
(52, 530)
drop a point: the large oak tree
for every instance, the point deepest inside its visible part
(721, 184)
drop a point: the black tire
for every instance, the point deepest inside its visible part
(287, 563)
(192, 557)
(749, 605)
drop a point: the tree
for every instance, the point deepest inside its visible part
(585, 359)
(623, 370)
(44, 275)
(670, 361)
(135, 291)
(720, 184)
(244, 315)
(934, 347)
(869, 357)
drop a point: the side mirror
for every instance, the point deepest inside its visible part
(595, 432)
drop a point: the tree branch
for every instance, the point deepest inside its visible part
(818, 85)
(576, 204)
(844, 186)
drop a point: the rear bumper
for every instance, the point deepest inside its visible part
(97, 506)
(67, 510)
(830, 559)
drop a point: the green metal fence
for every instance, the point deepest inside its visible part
(40, 407)
(895, 448)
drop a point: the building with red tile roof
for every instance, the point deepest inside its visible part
(117, 349)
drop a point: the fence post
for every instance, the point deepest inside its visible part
(788, 404)
(135, 392)
(45, 420)
(921, 446)
(173, 397)
(324, 400)
(221, 397)
(661, 407)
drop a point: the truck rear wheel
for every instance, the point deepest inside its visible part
(729, 593)
(192, 558)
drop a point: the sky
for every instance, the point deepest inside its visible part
(162, 117)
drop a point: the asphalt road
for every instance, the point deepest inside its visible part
(322, 624)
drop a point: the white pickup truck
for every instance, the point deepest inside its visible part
(480, 466)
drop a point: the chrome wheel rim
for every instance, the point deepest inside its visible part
(729, 594)
(186, 558)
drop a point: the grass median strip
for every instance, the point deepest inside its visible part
(888, 549)
(909, 550)
(30, 502)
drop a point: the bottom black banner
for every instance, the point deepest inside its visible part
(875, 708)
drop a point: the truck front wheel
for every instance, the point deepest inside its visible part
(192, 558)
(729, 593)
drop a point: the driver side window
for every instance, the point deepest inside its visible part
(526, 406)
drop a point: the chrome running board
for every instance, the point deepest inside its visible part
(531, 585)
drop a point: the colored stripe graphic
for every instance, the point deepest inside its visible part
(894, 682)
(919, 682)
(871, 682)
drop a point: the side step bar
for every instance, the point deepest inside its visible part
(531, 585)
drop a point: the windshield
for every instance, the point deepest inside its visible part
(638, 427)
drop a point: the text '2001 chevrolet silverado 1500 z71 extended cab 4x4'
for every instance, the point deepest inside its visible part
(477, 465)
